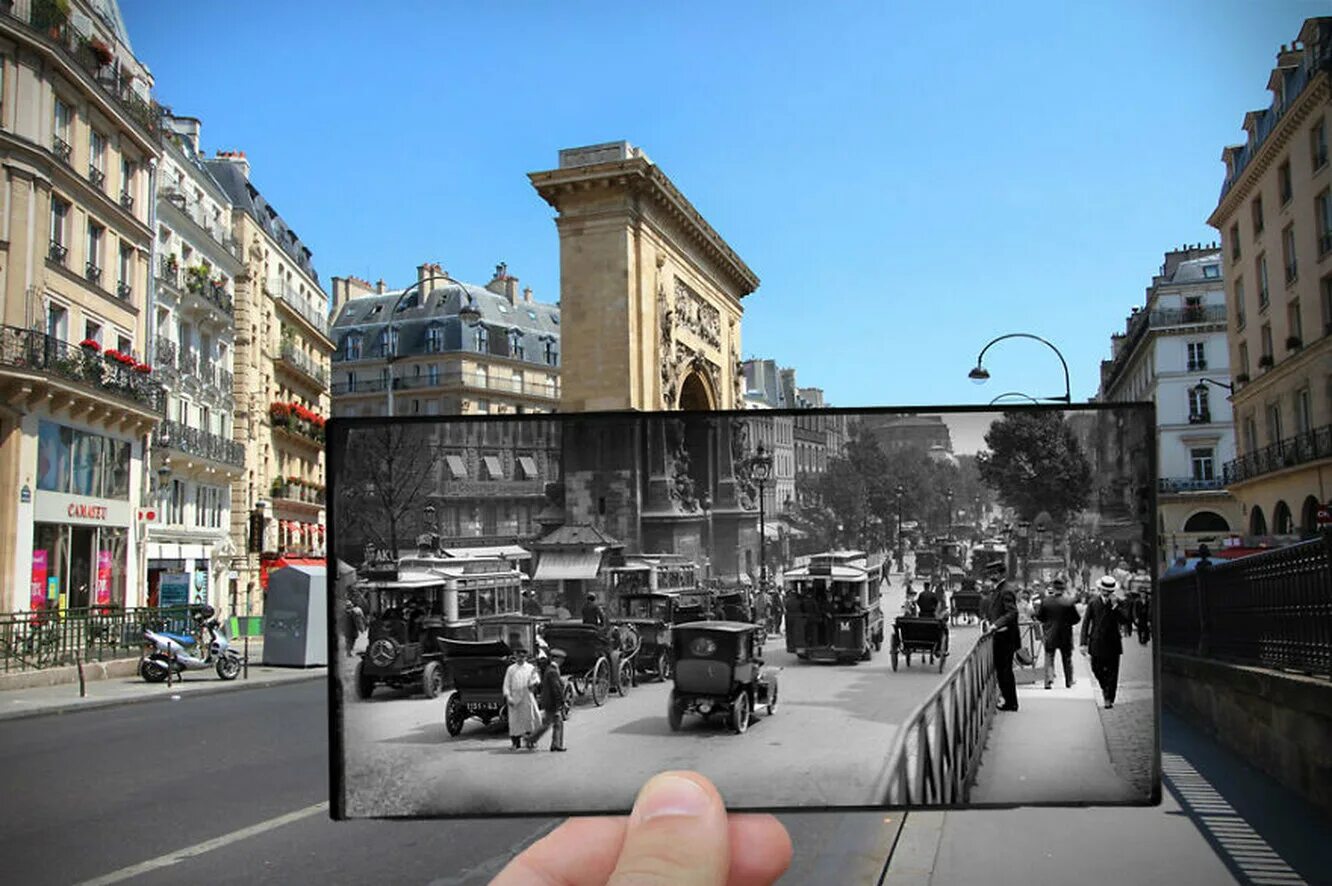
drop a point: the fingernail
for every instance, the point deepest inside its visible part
(670, 795)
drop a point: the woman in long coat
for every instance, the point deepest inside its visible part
(520, 681)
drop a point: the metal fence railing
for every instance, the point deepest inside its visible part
(1273, 610)
(937, 750)
(47, 638)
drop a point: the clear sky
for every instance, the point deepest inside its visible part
(908, 180)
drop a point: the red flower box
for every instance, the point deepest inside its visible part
(90, 344)
(143, 368)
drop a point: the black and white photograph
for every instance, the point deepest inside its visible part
(822, 609)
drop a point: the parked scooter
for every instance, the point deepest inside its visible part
(166, 653)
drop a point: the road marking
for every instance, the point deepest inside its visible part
(163, 861)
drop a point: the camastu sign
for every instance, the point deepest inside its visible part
(60, 507)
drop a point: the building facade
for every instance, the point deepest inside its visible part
(441, 347)
(1275, 219)
(1174, 353)
(280, 383)
(650, 293)
(80, 138)
(194, 459)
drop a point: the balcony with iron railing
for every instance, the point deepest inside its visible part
(181, 438)
(47, 25)
(211, 291)
(32, 352)
(57, 252)
(453, 380)
(62, 149)
(1162, 319)
(295, 359)
(97, 178)
(168, 271)
(286, 294)
(1173, 485)
(1301, 449)
(127, 201)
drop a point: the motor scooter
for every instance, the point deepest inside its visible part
(166, 653)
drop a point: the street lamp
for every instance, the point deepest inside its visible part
(980, 375)
(948, 524)
(899, 492)
(468, 312)
(432, 528)
(760, 471)
(1013, 394)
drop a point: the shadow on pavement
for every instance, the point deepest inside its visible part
(1261, 831)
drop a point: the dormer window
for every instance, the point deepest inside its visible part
(353, 346)
(516, 344)
(481, 340)
(1211, 272)
(435, 338)
(388, 341)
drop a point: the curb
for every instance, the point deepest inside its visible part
(911, 861)
(76, 706)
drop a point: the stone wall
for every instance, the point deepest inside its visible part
(1278, 722)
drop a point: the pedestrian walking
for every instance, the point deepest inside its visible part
(1086, 577)
(1101, 638)
(552, 704)
(1057, 615)
(1142, 616)
(520, 680)
(1003, 618)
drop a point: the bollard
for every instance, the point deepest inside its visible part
(83, 686)
(245, 668)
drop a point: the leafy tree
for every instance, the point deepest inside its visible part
(1035, 464)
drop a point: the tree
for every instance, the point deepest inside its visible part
(386, 477)
(1035, 464)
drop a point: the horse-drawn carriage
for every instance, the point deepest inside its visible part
(926, 636)
(587, 663)
(968, 603)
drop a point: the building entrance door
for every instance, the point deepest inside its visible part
(80, 566)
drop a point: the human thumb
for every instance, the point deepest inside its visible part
(677, 834)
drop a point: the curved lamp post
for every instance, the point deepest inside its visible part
(1014, 394)
(469, 313)
(1203, 382)
(898, 493)
(760, 471)
(980, 375)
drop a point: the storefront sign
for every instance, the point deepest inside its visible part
(37, 592)
(60, 507)
(173, 589)
(103, 578)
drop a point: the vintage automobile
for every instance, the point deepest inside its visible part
(653, 615)
(416, 604)
(719, 670)
(833, 610)
(478, 666)
(587, 663)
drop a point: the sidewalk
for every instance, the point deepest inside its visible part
(1220, 821)
(121, 689)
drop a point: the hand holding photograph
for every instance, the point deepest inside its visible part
(849, 609)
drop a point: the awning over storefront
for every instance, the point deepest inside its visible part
(456, 466)
(565, 565)
(528, 466)
(508, 552)
(267, 566)
(493, 469)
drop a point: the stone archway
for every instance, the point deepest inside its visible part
(695, 394)
(1257, 522)
(1282, 521)
(1309, 517)
(1206, 521)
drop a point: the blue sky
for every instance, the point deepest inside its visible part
(908, 180)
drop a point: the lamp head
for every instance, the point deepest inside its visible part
(468, 312)
(761, 465)
(980, 375)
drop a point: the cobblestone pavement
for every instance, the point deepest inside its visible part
(1130, 726)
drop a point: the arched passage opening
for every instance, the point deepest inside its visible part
(1257, 522)
(1282, 521)
(1206, 521)
(695, 395)
(1309, 516)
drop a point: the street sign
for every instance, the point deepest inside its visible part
(1324, 515)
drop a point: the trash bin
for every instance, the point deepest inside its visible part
(296, 617)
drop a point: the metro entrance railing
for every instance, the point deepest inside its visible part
(48, 638)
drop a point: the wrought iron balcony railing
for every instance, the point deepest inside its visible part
(284, 293)
(61, 149)
(1291, 452)
(127, 201)
(292, 356)
(93, 273)
(32, 350)
(1188, 484)
(97, 178)
(57, 252)
(43, 20)
(124, 291)
(169, 272)
(193, 441)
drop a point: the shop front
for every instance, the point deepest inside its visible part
(82, 539)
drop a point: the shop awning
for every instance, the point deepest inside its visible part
(564, 565)
(267, 566)
(528, 466)
(493, 469)
(456, 466)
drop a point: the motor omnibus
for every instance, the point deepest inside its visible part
(832, 607)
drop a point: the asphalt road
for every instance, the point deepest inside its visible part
(232, 788)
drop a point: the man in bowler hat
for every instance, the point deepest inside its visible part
(1057, 616)
(1101, 637)
(552, 704)
(1003, 619)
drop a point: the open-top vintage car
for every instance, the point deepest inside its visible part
(719, 670)
(478, 667)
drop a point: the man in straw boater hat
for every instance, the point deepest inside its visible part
(1003, 619)
(552, 704)
(1057, 616)
(1101, 638)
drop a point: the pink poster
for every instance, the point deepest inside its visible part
(103, 578)
(37, 592)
